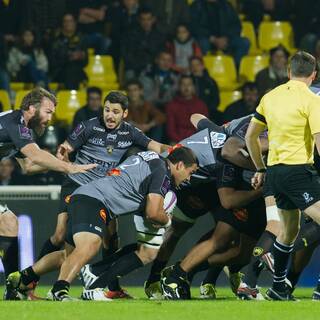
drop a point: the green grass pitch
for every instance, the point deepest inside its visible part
(226, 307)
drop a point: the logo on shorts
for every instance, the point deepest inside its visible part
(98, 229)
(241, 214)
(103, 215)
(114, 172)
(67, 198)
(257, 251)
(307, 197)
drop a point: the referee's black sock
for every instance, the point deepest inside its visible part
(118, 269)
(9, 254)
(47, 248)
(255, 266)
(100, 267)
(281, 253)
(212, 275)
(155, 273)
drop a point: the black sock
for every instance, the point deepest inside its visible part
(201, 267)
(308, 235)
(281, 253)
(293, 277)
(113, 246)
(120, 268)
(155, 273)
(103, 265)
(264, 245)
(28, 276)
(177, 273)
(61, 285)
(212, 275)
(47, 248)
(9, 254)
(235, 268)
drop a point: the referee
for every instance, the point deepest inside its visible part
(291, 112)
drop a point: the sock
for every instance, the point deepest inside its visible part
(9, 254)
(177, 273)
(61, 285)
(281, 253)
(120, 268)
(113, 246)
(47, 248)
(28, 276)
(255, 266)
(293, 277)
(201, 267)
(309, 234)
(235, 268)
(155, 273)
(212, 275)
(103, 265)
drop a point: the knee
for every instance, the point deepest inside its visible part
(9, 225)
(58, 238)
(146, 254)
(290, 235)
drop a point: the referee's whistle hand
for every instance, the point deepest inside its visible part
(257, 180)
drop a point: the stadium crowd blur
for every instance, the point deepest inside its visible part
(161, 53)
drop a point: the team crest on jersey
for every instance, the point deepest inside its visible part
(24, 132)
(110, 149)
(217, 139)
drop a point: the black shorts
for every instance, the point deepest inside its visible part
(294, 186)
(196, 201)
(67, 188)
(86, 214)
(267, 190)
(250, 220)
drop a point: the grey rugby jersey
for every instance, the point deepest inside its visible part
(94, 143)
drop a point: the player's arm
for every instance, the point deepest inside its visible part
(231, 198)
(28, 167)
(46, 160)
(157, 147)
(196, 118)
(154, 210)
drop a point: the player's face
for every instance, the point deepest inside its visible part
(183, 173)
(42, 116)
(113, 114)
(134, 93)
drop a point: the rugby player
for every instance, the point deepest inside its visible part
(139, 184)
(17, 130)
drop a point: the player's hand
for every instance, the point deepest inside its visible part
(80, 168)
(62, 153)
(257, 180)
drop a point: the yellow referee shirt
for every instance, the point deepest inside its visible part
(292, 114)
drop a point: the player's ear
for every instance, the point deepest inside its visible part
(32, 109)
(125, 113)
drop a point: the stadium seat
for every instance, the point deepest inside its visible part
(5, 100)
(68, 103)
(223, 70)
(100, 71)
(251, 65)
(19, 96)
(17, 86)
(227, 97)
(273, 33)
(248, 32)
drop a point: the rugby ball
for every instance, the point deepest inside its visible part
(170, 201)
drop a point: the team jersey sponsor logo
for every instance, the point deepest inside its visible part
(24, 132)
(111, 137)
(124, 144)
(307, 197)
(98, 129)
(217, 139)
(148, 155)
(123, 133)
(97, 141)
(77, 131)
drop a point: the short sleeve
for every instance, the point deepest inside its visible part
(139, 138)
(20, 135)
(314, 115)
(207, 124)
(259, 116)
(227, 176)
(79, 135)
(160, 182)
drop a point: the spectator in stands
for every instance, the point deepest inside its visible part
(276, 73)
(169, 14)
(91, 20)
(27, 62)
(4, 77)
(217, 27)
(181, 108)
(244, 106)
(182, 48)
(278, 10)
(141, 45)
(206, 88)
(92, 109)
(8, 176)
(144, 115)
(160, 83)
(68, 55)
(120, 20)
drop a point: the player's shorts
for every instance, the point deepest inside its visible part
(195, 201)
(86, 214)
(294, 186)
(67, 188)
(147, 234)
(250, 221)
